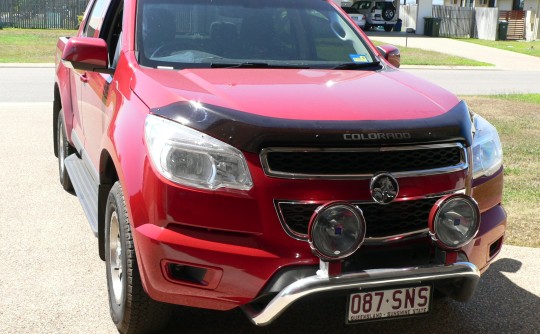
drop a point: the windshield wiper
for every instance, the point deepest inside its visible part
(354, 66)
(255, 65)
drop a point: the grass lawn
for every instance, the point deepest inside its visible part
(517, 118)
(414, 56)
(29, 45)
(528, 48)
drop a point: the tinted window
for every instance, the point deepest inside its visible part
(362, 4)
(95, 19)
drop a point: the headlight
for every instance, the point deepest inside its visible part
(454, 221)
(191, 158)
(487, 149)
(336, 230)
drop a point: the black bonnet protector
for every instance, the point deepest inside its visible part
(251, 133)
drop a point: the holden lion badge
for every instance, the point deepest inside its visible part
(384, 188)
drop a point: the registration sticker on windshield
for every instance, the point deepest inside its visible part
(358, 58)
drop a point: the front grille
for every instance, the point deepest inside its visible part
(382, 220)
(285, 162)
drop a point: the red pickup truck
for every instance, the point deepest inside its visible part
(247, 153)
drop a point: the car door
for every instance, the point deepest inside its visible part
(79, 78)
(98, 99)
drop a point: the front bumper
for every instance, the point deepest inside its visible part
(237, 239)
(245, 273)
(459, 278)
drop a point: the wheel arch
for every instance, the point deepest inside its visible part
(108, 175)
(62, 103)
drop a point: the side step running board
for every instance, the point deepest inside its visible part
(85, 188)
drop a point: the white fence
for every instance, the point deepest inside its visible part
(407, 14)
(486, 23)
(532, 26)
(481, 23)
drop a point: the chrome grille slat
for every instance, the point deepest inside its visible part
(328, 163)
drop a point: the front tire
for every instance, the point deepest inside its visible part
(132, 310)
(64, 150)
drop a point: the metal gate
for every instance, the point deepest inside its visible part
(516, 23)
(50, 14)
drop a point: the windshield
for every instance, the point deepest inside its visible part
(246, 33)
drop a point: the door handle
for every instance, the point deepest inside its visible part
(84, 77)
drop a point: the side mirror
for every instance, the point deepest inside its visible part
(391, 53)
(86, 54)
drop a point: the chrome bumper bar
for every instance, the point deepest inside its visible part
(465, 274)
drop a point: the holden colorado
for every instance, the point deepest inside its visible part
(249, 154)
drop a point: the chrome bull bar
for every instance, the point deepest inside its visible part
(465, 273)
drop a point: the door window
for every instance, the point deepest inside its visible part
(95, 19)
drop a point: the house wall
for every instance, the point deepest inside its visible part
(533, 5)
(505, 4)
(481, 3)
(452, 3)
(476, 3)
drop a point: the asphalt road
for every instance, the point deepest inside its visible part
(480, 81)
(34, 84)
(52, 280)
(26, 84)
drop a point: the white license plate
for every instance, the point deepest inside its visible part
(390, 303)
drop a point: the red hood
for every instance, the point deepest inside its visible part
(298, 94)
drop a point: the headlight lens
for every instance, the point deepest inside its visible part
(336, 230)
(454, 221)
(487, 149)
(191, 158)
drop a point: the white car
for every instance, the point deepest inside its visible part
(358, 18)
(378, 13)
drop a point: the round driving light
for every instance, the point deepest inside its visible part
(336, 230)
(454, 221)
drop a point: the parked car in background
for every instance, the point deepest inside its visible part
(378, 13)
(359, 19)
